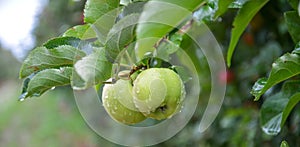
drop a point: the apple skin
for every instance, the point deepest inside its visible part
(158, 93)
(117, 100)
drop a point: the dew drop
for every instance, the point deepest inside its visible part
(77, 88)
(272, 127)
(36, 94)
(52, 88)
(116, 108)
(22, 97)
(181, 108)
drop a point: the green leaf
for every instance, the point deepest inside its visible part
(186, 4)
(283, 68)
(277, 108)
(94, 68)
(104, 24)
(159, 18)
(81, 32)
(77, 83)
(25, 87)
(168, 47)
(292, 20)
(222, 7)
(132, 8)
(284, 144)
(42, 58)
(102, 15)
(46, 80)
(294, 100)
(244, 16)
(121, 35)
(271, 113)
(94, 9)
(56, 42)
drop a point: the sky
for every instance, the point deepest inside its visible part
(18, 19)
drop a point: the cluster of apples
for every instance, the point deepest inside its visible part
(155, 93)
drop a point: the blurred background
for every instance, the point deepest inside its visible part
(54, 120)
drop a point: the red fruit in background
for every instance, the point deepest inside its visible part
(226, 76)
(82, 18)
(248, 39)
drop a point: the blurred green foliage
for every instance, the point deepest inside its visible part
(9, 65)
(57, 17)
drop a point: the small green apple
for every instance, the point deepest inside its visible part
(117, 100)
(158, 93)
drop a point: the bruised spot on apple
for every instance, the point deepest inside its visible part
(158, 93)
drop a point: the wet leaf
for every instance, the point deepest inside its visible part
(103, 24)
(169, 46)
(94, 68)
(25, 87)
(46, 80)
(293, 101)
(42, 58)
(132, 8)
(283, 68)
(81, 32)
(244, 16)
(121, 35)
(94, 9)
(271, 113)
(56, 42)
(159, 18)
(276, 109)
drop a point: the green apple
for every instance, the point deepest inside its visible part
(117, 100)
(158, 93)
